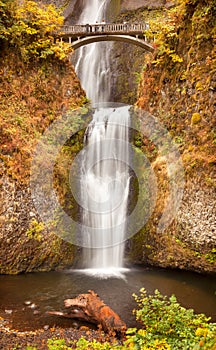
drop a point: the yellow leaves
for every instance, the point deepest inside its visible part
(4, 32)
(141, 332)
(201, 332)
(176, 58)
(30, 30)
(166, 37)
(161, 344)
(62, 51)
(11, 130)
(44, 18)
(196, 118)
(35, 230)
(199, 86)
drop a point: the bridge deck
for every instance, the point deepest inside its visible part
(83, 34)
(83, 30)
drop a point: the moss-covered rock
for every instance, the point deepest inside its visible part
(128, 61)
(34, 93)
(178, 88)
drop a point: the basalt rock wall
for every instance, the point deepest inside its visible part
(34, 93)
(131, 5)
(178, 88)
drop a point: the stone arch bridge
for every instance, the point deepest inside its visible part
(80, 35)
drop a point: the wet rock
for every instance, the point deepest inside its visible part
(9, 312)
(32, 306)
(196, 216)
(32, 252)
(36, 312)
(131, 5)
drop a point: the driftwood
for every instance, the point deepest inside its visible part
(89, 307)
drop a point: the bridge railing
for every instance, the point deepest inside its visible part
(80, 29)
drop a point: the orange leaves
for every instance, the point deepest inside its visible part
(31, 98)
(34, 71)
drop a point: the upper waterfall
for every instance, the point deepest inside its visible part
(92, 61)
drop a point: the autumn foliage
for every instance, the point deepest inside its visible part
(28, 27)
(178, 83)
(37, 80)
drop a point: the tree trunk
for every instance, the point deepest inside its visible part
(89, 307)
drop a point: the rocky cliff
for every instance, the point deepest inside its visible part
(178, 87)
(35, 90)
(131, 5)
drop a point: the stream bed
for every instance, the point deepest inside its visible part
(48, 290)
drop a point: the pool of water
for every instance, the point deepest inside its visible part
(48, 291)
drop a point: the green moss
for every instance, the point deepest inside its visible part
(211, 256)
(197, 254)
(35, 230)
(139, 246)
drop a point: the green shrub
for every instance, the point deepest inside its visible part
(166, 325)
(84, 344)
(163, 319)
(57, 344)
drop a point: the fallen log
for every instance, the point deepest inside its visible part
(89, 307)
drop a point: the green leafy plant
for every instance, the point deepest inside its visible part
(57, 344)
(166, 325)
(84, 344)
(211, 256)
(165, 320)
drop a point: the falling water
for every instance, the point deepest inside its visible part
(92, 61)
(105, 173)
(105, 188)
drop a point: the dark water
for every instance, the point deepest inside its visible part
(48, 290)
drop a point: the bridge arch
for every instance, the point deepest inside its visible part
(124, 38)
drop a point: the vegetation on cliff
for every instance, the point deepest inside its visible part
(37, 80)
(37, 86)
(127, 60)
(178, 87)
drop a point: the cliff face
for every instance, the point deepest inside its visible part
(131, 5)
(30, 102)
(34, 92)
(178, 87)
(116, 6)
(128, 60)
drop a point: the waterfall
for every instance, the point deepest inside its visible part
(92, 61)
(104, 183)
(105, 188)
